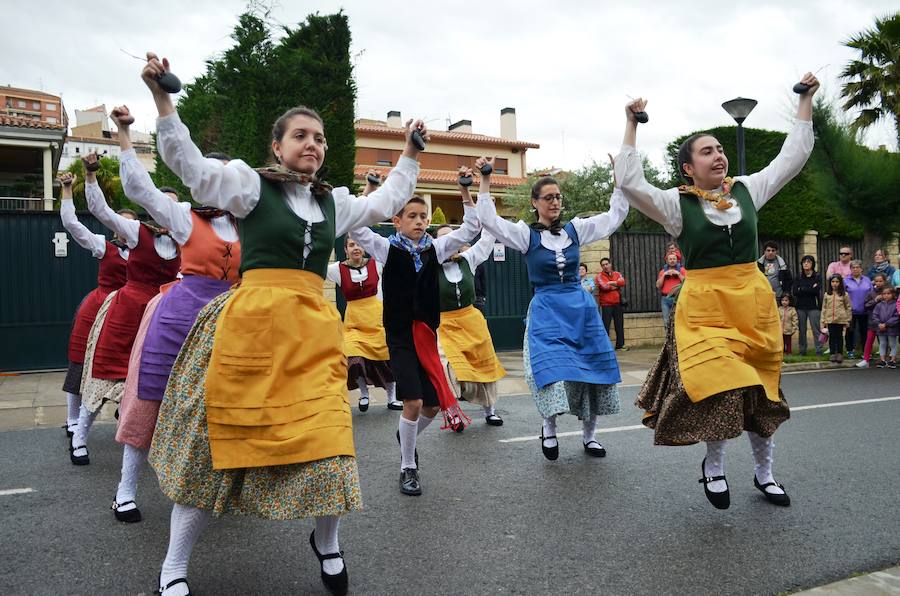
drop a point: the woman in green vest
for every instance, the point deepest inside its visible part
(256, 419)
(720, 370)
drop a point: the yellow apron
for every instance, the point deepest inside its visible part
(727, 332)
(276, 388)
(364, 329)
(466, 341)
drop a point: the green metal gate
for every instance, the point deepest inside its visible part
(39, 292)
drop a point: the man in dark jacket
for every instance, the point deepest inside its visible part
(808, 298)
(775, 269)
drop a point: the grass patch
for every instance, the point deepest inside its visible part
(813, 357)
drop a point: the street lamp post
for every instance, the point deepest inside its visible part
(739, 108)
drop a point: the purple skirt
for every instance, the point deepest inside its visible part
(168, 329)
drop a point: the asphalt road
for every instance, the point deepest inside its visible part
(496, 517)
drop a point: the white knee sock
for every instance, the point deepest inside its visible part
(363, 390)
(589, 429)
(79, 439)
(549, 426)
(327, 542)
(133, 460)
(488, 411)
(391, 392)
(715, 465)
(762, 453)
(408, 434)
(423, 423)
(73, 405)
(186, 525)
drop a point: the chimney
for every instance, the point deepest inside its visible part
(508, 124)
(394, 120)
(461, 126)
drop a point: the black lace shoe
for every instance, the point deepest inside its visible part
(775, 499)
(594, 449)
(337, 583)
(409, 482)
(494, 420)
(162, 589)
(720, 500)
(363, 406)
(79, 460)
(550, 453)
(128, 516)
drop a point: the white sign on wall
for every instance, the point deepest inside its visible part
(60, 242)
(499, 252)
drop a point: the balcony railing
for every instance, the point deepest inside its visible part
(21, 204)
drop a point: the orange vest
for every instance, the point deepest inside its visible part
(206, 254)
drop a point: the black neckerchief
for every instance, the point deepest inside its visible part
(555, 226)
(365, 262)
(279, 173)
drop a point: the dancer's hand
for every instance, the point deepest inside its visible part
(91, 163)
(150, 74)
(411, 150)
(485, 184)
(812, 82)
(121, 115)
(370, 188)
(633, 107)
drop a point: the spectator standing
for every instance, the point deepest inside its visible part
(807, 291)
(872, 300)
(836, 314)
(882, 265)
(887, 321)
(609, 297)
(842, 265)
(858, 287)
(895, 278)
(788, 315)
(587, 283)
(775, 269)
(670, 277)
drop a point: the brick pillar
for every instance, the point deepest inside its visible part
(892, 246)
(809, 245)
(591, 255)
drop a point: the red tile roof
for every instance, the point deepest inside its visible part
(6, 120)
(444, 176)
(440, 135)
(4, 90)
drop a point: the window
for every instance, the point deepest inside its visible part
(383, 158)
(36, 105)
(50, 106)
(51, 120)
(501, 165)
(21, 103)
(77, 150)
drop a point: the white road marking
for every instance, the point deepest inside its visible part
(15, 491)
(641, 426)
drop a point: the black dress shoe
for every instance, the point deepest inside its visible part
(363, 406)
(337, 583)
(129, 516)
(776, 499)
(416, 452)
(550, 453)
(79, 460)
(409, 482)
(720, 500)
(162, 589)
(494, 420)
(395, 405)
(594, 449)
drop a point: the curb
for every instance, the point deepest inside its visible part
(798, 366)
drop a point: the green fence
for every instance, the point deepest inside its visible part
(39, 292)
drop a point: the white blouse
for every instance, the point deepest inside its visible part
(356, 275)
(86, 239)
(129, 229)
(378, 246)
(664, 206)
(175, 216)
(518, 235)
(476, 255)
(235, 186)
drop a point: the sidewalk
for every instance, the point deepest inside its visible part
(879, 583)
(30, 400)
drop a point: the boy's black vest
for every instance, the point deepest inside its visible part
(410, 295)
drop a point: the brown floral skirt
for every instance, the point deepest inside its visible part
(677, 420)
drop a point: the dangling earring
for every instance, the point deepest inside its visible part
(533, 210)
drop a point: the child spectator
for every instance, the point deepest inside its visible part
(670, 277)
(887, 327)
(872, 299)
(789, 323)
(836, 313)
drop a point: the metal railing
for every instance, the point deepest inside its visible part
(21, 204)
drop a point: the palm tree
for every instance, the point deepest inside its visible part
(873, 81)
(107, 179)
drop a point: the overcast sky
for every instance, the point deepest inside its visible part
(566, 67)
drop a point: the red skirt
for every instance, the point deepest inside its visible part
(119, 330)
(84, 318)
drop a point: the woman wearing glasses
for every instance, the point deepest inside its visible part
(720, 370)
(570, 364)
